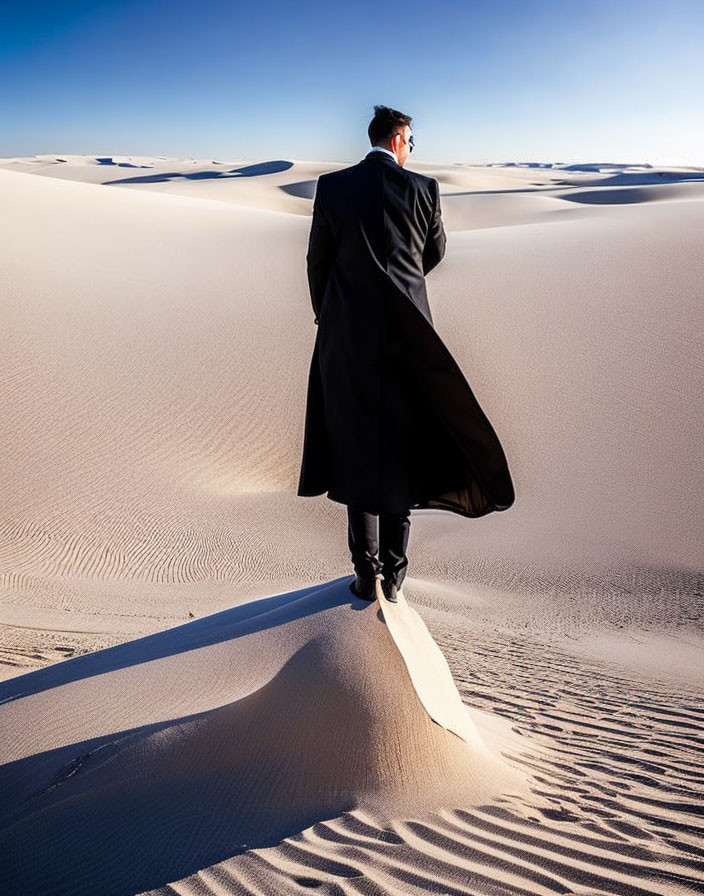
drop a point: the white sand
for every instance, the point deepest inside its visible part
(156, 337)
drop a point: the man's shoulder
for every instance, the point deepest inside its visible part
(329, 179)
(339, 173)
(422, 179)
(351, 171)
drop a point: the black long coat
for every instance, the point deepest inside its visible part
(391, 422)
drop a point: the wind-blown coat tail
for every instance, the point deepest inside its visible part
(391, 422)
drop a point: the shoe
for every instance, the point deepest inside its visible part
(364, 588)
(390, 589)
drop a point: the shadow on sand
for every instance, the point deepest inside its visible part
(274, 167)
(137, 808)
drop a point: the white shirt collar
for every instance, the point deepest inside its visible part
(384, 149)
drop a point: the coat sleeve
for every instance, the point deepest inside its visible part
(434, 250)
(320, 256)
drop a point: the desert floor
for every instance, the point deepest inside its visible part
(191, 699)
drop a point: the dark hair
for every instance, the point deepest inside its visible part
(385, 122)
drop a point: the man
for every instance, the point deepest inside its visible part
(391, 422)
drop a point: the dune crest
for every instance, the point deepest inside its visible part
(428, 670)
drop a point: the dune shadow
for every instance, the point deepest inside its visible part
(139, 808)
(597, 167)
(273, 167)
(519, 165)
(644, 178)
(108, 160)
(246, 618)
(621, 189)
(303, 189)
(602, 196)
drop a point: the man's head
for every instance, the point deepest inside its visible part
(392, 130)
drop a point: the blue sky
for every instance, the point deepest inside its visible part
(535, 80)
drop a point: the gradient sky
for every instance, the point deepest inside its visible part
(485, 81)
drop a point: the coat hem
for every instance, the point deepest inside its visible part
(430, 504)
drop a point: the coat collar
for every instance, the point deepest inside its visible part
(374, 154)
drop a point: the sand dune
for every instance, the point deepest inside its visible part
(189, 755)
(541, 735)
(310, 713)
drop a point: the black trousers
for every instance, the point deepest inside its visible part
(379, 550)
